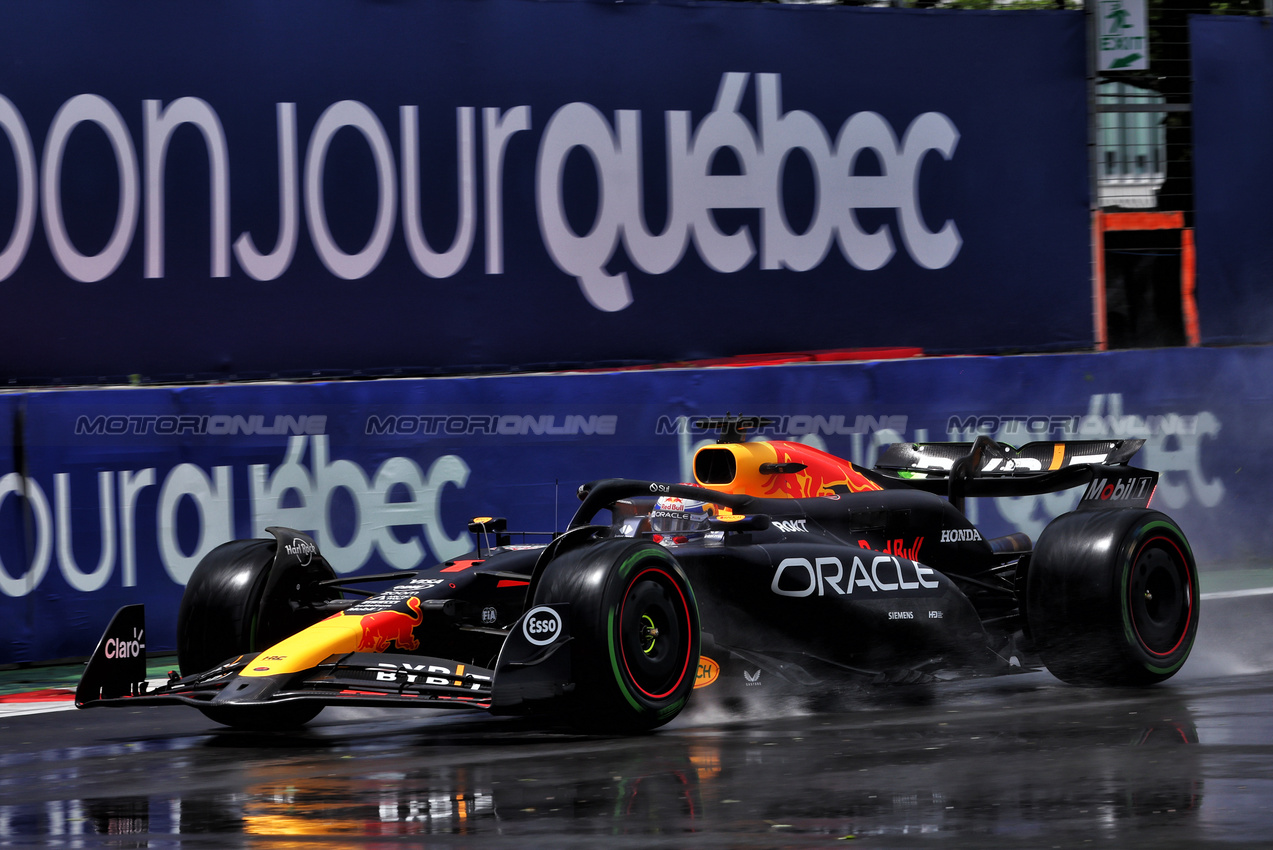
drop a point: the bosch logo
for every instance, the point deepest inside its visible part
(541, 626)
(302, 549)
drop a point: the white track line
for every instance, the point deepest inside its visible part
(1235, 594)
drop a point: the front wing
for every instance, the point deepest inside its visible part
(532, 674)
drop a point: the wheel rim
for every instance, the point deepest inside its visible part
(654, 633)
(1161, 597)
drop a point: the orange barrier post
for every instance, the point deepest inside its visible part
(1104, 222)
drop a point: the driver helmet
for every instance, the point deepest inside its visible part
(674, 517)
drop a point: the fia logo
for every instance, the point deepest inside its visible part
(753, 679)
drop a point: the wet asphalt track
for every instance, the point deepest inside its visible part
(1014, 762)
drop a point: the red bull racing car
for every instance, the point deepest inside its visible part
(780, 567)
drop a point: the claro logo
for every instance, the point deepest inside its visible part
(542, 625)
(887, 574)
(118, 648)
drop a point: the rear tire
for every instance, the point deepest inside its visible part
(1112, 597)
(635, 633)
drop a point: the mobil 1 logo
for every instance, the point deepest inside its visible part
(1122, 488)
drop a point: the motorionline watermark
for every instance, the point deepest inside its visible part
(504, 425)
(791, 425)
(218, 424)
(1088, 425)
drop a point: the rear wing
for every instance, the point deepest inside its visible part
(988, 468)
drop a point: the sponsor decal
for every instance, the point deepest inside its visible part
(394, 597)
(1102, 489)
(430, 674)
(960, 535)
(901, 615)
(753, 679)
(541, 625)
(791, 526)
(489, 615)
(303, 550)
(898, 547)
(385, 627)
(708, 672)
(660, 488)
(118, 648)
(801, 577)
(825, 475)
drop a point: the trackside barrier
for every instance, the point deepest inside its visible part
(1233, 129)
(110, 496)
(425, 192)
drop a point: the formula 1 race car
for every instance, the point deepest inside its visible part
(782, 566)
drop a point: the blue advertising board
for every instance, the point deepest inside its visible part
(1233, 178)
(125, 489)
(248, 188)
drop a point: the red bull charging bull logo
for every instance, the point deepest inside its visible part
(385, 627)
(822, 473)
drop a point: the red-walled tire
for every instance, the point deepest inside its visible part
(1112, 597)
(635, 633)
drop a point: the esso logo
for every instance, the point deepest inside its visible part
(542, 625)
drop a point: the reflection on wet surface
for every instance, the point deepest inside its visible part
(1008, 761)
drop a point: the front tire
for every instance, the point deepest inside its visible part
(231, 607)
(1112, 597)
(635, 633)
